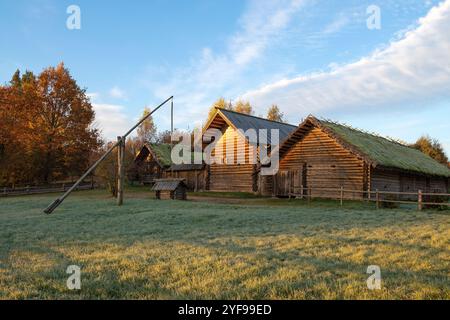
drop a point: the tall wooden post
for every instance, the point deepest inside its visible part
(342, 195)
(419, 200)
(120, 169)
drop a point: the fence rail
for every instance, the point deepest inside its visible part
(373, 196)
(22, 191)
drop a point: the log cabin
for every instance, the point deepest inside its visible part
(154, 162)
(150, 163)
(325, 154)
(228, 175)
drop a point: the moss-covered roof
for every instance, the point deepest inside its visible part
(162, 153)
(385, 152)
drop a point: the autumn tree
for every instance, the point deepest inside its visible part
(50, 123)
(16, 99)
(243, 107)
(221, 103)
(164, 137)
(146, 132)
(431, 147)
(275, 114)
(63, 125)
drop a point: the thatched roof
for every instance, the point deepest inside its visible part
(377, 150)
(161, 153)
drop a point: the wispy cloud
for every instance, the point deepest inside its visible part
(111, 120)
(117, 93)
(337, 24)
(412, 69)
(212, 72)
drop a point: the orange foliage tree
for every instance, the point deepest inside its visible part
(47, 127)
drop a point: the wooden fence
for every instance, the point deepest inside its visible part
(379, 197)
(4, 192)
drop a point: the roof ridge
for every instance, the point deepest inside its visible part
(261, 118)
(373, 134)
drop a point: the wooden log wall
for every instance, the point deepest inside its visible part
(328, 165)
(266, 185)
(232, 177)
(387, 179)
(194, 179)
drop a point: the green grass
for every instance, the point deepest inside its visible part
(257, 248)
(234, 195)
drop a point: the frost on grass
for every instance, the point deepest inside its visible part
(248, 249)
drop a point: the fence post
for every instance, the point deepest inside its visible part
(4, 191)
(301, 192)
(342, 195)
(377, 198)
(308, 192)
(64, 187)
(419, 200)
(28, 189)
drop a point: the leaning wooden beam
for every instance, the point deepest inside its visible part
(58, 201)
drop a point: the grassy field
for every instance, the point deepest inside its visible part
(241, 249)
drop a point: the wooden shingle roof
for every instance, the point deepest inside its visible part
(245, 122)
(167, 184)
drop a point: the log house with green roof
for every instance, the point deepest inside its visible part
(324, 154)
(154, 162)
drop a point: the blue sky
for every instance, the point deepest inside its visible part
(307, 56)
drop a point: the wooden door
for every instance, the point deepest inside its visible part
(289, 182)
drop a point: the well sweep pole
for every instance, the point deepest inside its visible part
(58, 201)
(120, 169)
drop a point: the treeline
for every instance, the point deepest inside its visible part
(46, 128)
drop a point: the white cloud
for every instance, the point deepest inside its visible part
(208, 75)
(111, 120)
(412, 69)
(117, 93)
